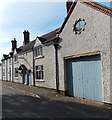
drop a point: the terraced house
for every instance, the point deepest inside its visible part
(45, 60)
(20, 62)
(74, 59)
(0, 71)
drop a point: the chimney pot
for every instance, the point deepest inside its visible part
(14, 44)
(26, 37)
(68, 5)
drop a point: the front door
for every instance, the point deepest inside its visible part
(28, 78)
(24, 77)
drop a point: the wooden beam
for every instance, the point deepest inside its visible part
(82, 55)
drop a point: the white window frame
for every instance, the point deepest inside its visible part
(15, 73)
(9, 60)
(39, 73)
(3, 72)
(15, 58)
(3, 62)
(38, 51)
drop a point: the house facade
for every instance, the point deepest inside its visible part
(5, 65)
(45, 63)
(23, 61)
(85, 54)
(17, 66)
(0, 71)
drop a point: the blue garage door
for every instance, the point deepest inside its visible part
(84, 77)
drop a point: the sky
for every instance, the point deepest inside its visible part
(38, 17)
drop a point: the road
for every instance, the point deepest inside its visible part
(18, 105)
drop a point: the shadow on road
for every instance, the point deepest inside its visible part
(22, 106)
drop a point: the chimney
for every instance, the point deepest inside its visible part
(68, 5)
(14, 44)
(26, 37)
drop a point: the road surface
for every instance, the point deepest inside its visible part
(18, 105)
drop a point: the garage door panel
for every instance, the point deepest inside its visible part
(77, 82)
(69, 78)
(98, 82)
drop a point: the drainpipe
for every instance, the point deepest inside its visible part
(33, 68)
(56, 44)
(2, 70)
(12, 69)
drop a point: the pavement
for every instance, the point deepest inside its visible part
(38, 92)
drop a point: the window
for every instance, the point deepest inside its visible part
(79, 26)
(10, 60)
(16, 72)
(39, 72)
(38, 51)
(3, 72)
(3, 62)
(15, 58)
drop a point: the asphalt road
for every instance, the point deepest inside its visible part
(18, 105)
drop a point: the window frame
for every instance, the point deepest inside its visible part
(78, 27)
(9, 60)
(38, 51)
(15, 72)
(3, 73)
(39, 72)
(16, 58)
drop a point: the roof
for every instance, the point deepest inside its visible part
(22, 67)
(49, 36)
(19, 49)
(5, 57)
(27, 47)
(88, 3)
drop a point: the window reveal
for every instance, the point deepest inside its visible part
(39, 72)
(38, 51)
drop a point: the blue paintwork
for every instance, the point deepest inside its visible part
(84, 77)
(28, 78)
(24, 77)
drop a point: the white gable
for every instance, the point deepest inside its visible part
(37, 43)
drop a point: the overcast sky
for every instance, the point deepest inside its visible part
(37, 17)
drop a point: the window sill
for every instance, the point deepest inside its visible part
(39, 80)
(39, 57)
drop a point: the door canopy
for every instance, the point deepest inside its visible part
(23, 68)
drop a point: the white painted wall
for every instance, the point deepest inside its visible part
(48, 62)
(0, 71)
(96, 37)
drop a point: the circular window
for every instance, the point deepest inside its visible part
(79, 26)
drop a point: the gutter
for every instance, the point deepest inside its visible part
(12, 69)
(33, 68)
(56, 44)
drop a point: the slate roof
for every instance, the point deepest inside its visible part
(88, 3)
(5, 57)
(49, 36)
(27, 47)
